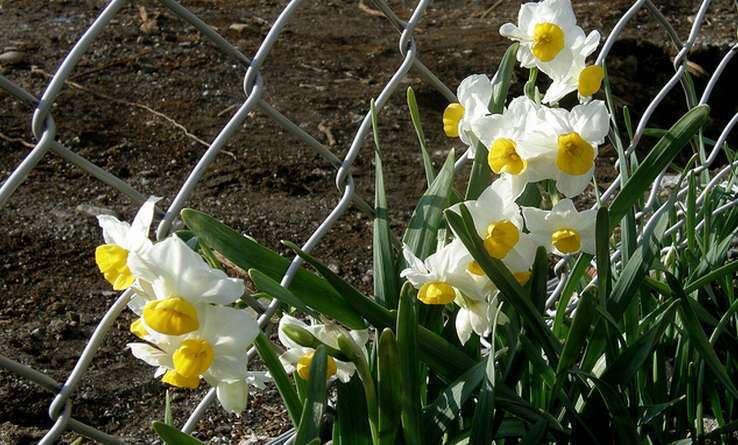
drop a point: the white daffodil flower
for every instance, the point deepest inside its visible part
(502, 134)
(477, 316)
(547, 32)
(175, 285)
(586, 80)
(474, 94)
(123, 240)
(562, 230)
(569, 139)
(449, 269)
(297, 358)
(216, 351)
(498, 222)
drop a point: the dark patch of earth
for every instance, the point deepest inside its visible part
(330, 60)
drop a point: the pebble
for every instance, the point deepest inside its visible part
(94, 210)
(12, 58)
(238, 27)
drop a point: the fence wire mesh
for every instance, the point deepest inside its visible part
(44, 130)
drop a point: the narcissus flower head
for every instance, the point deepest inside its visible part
(502, 135)
(445, 273)
(577, 76)
(175, 284)
(477, 316)
(562, 230)
(298, 358)
(547, 32)
(123, 240)
(474, 95)
(569, 141)
(216, 352)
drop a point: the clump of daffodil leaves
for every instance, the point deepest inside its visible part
(472, 336)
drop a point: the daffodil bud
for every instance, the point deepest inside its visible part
(669, 257)
(300, 335)
(349, 348)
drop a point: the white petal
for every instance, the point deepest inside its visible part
(513, 32)
(184, 273)
(233, 396)
(535, 219)
(151, 355)
(290, 357)
(344, 371)
(571, 186)
(463, 326)
(490, 127)
(258, 378)
(557, 90)
(591, 121)
(139, 234)
(475, 87)
(227, 367)
(227, 327)
(288, 320)
(114, 231)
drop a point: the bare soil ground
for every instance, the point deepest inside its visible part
(332, 58)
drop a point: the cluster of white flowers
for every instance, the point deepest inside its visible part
(188, 329)
(527, 143)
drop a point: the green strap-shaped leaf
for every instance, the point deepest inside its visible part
(572, 283)
(443, 411)
(279, 376)
(624, 368)
(412, 105)
(312, 410)
(698, 338)
(172, 436)
(386, 283)
(352, 418)
(539, 280)
(271, 287)
(578, 334)
(420, 235)
(389, 387)
(602, 246)
(247, 254)
(502, 79)
(407, 344)
(482, 431)
(480, 176)
(657, 160)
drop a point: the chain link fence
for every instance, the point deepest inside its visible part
(44, 130)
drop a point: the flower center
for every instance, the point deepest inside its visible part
(180, 381)
(503, 157)
(451, 117)
(137, 328)
(475, 269)
(522, 277)
(172, 316)
(501, 238)
(590, 80)
(112, 260)
(193, 357)
(304, 362)
(575, 155)
(566, 240)
(548, 40)
(436, 292)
